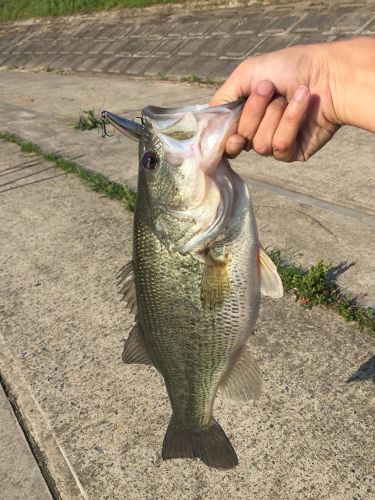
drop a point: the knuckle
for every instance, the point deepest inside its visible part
(257, 110)
(280, 147)
(279, 104)
(262, 148)
(291, 118)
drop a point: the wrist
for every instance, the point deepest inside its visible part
(351, 81)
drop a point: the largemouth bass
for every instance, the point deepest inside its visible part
(197, 272)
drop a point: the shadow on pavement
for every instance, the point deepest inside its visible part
(365, 372)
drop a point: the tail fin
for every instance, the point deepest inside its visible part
(210, 444)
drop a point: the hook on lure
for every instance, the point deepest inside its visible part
(104, 122)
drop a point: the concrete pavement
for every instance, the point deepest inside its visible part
(20, 476)
(95, 424)
(322, 209)
(99, 424)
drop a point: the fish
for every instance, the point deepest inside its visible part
(197, 273)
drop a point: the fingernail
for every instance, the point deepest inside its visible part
(301, 93)
(265, 89)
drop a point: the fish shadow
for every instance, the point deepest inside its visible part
(365, 372)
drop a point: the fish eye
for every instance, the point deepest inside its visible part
(150, 160)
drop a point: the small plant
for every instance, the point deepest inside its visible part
(315, 287)
(193, 78)
(87, 121)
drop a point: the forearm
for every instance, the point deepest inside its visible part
(352, 82)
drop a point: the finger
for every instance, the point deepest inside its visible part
(284, 144)
(255, 109)
(235, 144)
(262, 142)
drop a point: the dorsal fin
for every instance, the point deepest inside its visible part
(270, 280)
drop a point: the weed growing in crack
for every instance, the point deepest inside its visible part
(193, 78)
(315, 287)
(87, 121)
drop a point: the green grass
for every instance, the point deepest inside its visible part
(315, 287)
(11, 10)
(97, 182)
(312, 287)
(87, 121)
(193, 78)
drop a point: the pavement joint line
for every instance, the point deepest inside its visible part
(53, 463)
(315, 202)
(345, 306)
(34, 448)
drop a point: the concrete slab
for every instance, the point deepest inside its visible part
(20, 476)
(310, 435)
(321, 209)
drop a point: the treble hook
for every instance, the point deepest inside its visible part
(104, 132)
(139, 118)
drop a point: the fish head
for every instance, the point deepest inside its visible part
(180, 150)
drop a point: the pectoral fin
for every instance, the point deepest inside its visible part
(215, 282)
(271, 284)
(135, 349)
(243, 382)
(126, 280)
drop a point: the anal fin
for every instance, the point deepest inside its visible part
(243, 382)
(135, 349)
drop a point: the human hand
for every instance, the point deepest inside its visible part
(289, 112)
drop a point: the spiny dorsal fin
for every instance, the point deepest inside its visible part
(126, 280)
(270, 280)
(243, 382)
(135, 350)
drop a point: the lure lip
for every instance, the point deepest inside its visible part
(127, 127)
(156, 112)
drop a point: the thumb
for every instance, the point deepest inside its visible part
(238, 84)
